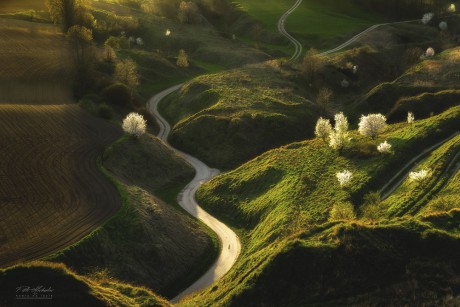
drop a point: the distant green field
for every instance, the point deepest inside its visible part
(313, 19)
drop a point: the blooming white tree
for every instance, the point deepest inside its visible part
(443, 26)
(452, 8)
(410, 118)
(323, 128)
(344, 177)
(341, 122)
(339, 136)
(420, 176)
(384, 147)
(134, 124)
(429, 52)
(427, 18)
(168, 32)
(139, 41)
(372, 124)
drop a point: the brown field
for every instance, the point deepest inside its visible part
(52, 193)
(35, 64)
(10, 6)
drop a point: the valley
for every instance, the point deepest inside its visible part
(217, 153)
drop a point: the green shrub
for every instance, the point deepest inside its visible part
(117, 94)
(105, 111)
(342, 211)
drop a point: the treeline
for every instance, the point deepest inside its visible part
(404, 8)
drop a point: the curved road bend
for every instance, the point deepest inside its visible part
(230, 243)
(281, 28)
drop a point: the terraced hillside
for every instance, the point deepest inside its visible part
(52, 192)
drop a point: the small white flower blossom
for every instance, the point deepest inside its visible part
(420, 176)
(344, 177)
(427, 18)
(410, 118)
(384, 147)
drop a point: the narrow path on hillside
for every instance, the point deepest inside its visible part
(281, 28)
(398, 179)
(230, 243)
(361, 34)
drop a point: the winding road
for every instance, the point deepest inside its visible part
(281, 28)
(298, 48)
(230, 243)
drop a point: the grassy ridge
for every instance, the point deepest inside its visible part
(68, 286)
(428, 87)
(167, 258)
(246, 111)
(287, 190)
(412, 197)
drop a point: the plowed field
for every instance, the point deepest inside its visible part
(51, 192)
(35, 64)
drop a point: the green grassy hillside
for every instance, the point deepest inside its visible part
(318, 23)
(245, 112)
(70, 289)
(413, 197)
(286, 191)
(171, 248)
(425, 89)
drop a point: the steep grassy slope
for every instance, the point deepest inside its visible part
(272, 198)
(149, 242)
(68, 289)
(447, 198)
(429, 87)
(412, 197)
(245, 112)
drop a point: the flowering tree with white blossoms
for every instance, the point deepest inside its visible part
(134, 124)
(452, 8)
(384, 147)
(344, 177)
(410, 118)
(372, 125)
(421, 175)
(339, 136)
(430, 52)
(427, 18)
(323, 128)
